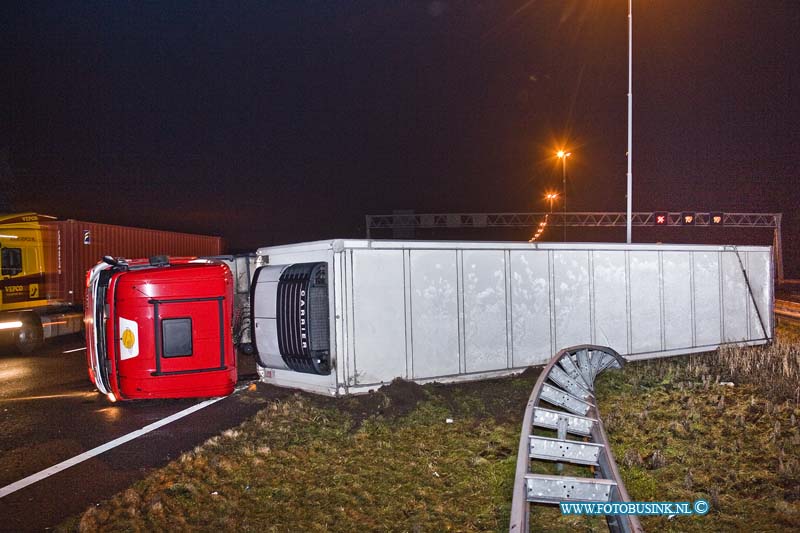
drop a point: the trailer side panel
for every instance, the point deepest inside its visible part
(457, 311)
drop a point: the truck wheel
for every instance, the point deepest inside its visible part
(29, 335)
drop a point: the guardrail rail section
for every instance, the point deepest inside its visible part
(563, 400)
(787, 309)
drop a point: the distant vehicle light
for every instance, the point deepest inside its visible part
(11, 325)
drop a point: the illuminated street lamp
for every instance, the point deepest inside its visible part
(550, 197)
(543, 223)
(562, 155)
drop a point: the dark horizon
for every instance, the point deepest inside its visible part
(290, 121)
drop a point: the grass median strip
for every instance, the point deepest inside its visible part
(391, 461)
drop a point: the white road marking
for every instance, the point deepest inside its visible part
(55, 469)
(75, 350)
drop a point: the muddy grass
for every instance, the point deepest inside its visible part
(439, 458)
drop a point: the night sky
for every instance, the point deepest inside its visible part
(275, 122)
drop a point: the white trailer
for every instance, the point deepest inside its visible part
(347, 316)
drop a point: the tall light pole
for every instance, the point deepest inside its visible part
(562, 155)
(630, 119)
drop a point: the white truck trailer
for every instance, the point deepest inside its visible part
(346, 316)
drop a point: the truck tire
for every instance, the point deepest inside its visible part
(29, 335)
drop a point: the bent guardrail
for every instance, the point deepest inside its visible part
(567, 385)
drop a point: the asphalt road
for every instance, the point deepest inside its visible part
(50, 412)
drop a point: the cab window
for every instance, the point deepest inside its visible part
(177, 337)
(11, 260)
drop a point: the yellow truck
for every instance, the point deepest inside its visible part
(43, 265)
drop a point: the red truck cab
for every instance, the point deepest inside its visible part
(160, 328)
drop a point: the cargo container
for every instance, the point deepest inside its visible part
(160, 328)
(44, 263)
(346, 316)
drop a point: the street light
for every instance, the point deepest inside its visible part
(540, 230)
(550, 197)
(562, 155)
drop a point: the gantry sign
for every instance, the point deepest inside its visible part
(604, 219)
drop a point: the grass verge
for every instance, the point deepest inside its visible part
(391, 461)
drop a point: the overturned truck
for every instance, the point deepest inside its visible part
(346, 316)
